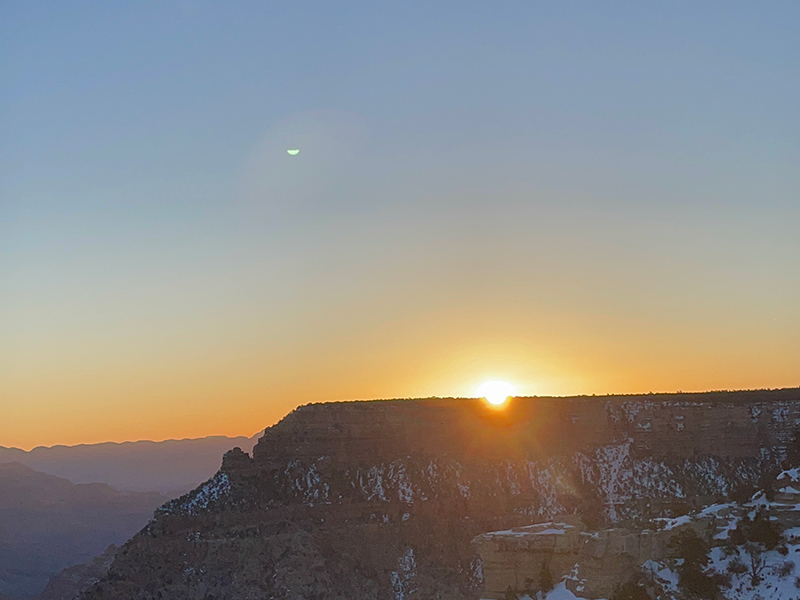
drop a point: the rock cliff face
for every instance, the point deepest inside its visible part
(369, 500)
(592, 563)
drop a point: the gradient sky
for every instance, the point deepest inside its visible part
(576, 197)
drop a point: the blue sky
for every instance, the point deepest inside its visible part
(546, 182)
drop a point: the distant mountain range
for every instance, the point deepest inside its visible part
(61, 506)
(171, 467)
(48, 523)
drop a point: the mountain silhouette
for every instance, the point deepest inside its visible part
(48, 523)
(171, 467)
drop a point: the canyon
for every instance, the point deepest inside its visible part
(384, 499)
(62, 505)
(48, 523)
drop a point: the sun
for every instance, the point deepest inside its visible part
(496, 392)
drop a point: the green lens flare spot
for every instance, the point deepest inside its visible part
(293, 152)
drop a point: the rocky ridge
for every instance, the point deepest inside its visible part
(382, 499)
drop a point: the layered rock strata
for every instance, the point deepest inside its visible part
(593, 563)
(381, 499)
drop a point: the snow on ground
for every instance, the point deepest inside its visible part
(709, 511)
(781, 575)
(715, 509)
(779, 578)
(559, 592)
(792, 474)
(759, 501)
(725, 531)
(214, 490)
(676, 522)
(538, 529)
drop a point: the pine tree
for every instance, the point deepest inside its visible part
(693, 580)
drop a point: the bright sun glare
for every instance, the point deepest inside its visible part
(496, 392)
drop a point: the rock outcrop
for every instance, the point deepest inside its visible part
(593, 563)
(382, 499)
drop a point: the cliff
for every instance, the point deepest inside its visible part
(382, 499)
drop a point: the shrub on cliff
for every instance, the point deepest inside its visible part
(545, 578)
(690, 548)
(742, 492)
(759, 530)
(768, 482)
(633, 589)
(691, 552)
(696, 583)
(793, 451)
(753, 538)
(785, 569)
(737, 567)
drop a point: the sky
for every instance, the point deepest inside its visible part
(574, 197)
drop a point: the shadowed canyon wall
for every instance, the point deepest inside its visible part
(382, 499)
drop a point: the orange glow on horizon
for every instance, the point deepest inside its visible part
(236, 384)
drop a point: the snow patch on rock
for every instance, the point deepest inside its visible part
(403, 579)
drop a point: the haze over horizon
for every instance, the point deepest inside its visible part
(573, 198)
(126, 442)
